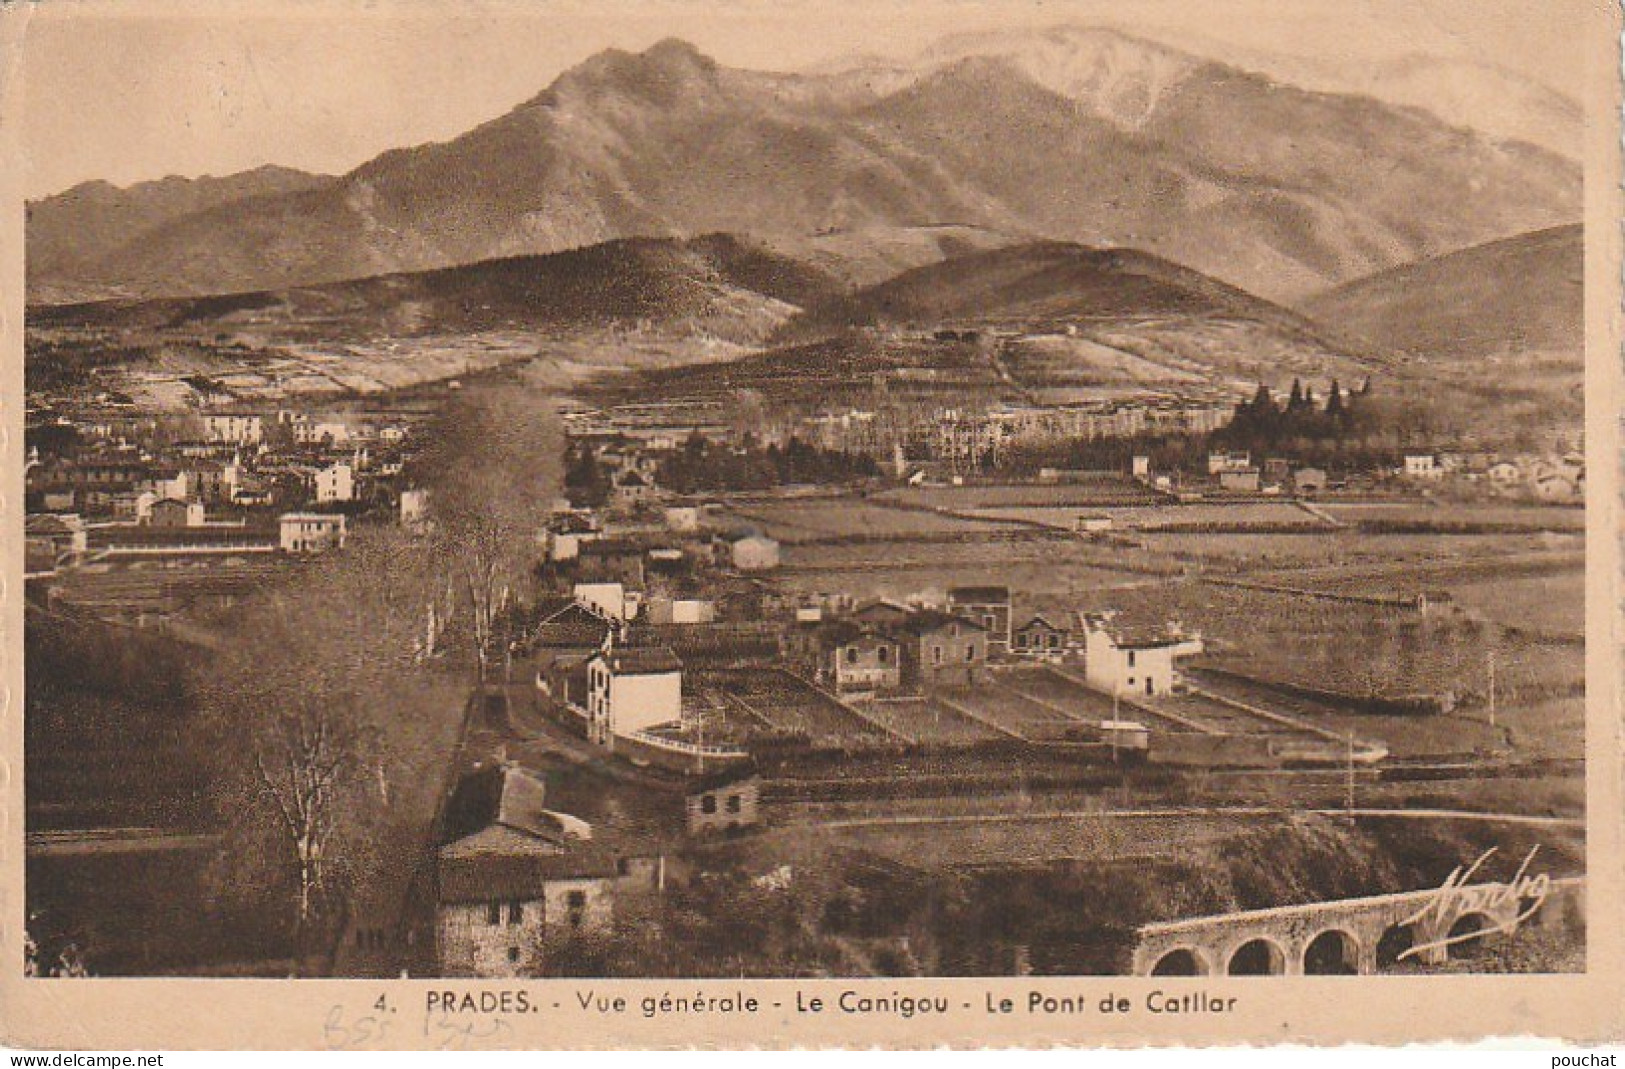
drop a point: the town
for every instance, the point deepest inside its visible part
(737, 637)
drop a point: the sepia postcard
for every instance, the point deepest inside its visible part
(662, 524)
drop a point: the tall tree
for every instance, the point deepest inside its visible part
(493, 470)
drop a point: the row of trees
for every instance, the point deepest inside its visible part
(702, 465)
(1352, 430)
(334, 709)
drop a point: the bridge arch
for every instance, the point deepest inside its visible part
(1471, 935)
(1260, 956)
(1182, 961)
(1332, 952)
(1395, 940)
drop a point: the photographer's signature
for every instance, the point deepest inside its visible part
(1456, 898)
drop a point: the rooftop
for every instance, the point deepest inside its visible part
(926, 621)
(642, 660)
(510, 797)
(501, 864)
(979, 595)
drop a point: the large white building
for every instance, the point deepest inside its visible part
(310, 532)
(1422, 466)
(238, 428)
(336, 482)
(631, 688)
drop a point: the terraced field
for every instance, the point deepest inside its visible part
(930, 722)
(1253, 694)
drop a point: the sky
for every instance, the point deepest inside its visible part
(144, 90)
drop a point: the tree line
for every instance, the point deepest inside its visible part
(702, 465)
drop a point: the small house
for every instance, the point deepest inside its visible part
(514, 879)
(1038, 638)
(724, 800)
(1119, 661)
(754, 553)
(662, 609)
(1309, 480)
(882, 613)
(631, 489)
(989, 606)
(1128, 735)
(175, 513)
(1422, 466)
(850, 658)
(1218, 463)
(941, 649)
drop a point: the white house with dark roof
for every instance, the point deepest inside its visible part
(1124, 660)
(631, 689)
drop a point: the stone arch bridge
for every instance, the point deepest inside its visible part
(1352, 935)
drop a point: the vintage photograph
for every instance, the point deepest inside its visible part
(1063, 490)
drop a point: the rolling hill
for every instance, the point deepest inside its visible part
(1046, 281)
(1520, 295)
(1041, 322)
(1278, 190)
(716, 283)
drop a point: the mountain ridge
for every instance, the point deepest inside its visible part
(1266, 187)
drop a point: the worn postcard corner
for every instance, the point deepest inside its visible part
(800, 525)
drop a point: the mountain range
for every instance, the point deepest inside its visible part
(1090, 136)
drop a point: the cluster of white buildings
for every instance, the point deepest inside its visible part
(1555, 479)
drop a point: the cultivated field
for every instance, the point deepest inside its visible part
(1234, 551)
(1010, 711)
(1106, 490)
(769, 701)
(853, 518)
(1351, 647)
(1554, 602)
(1449, 513)
(1264, 514)
(929, 722)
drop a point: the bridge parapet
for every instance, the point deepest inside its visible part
(1350, 936)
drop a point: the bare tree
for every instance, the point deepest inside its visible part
(300, 763)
